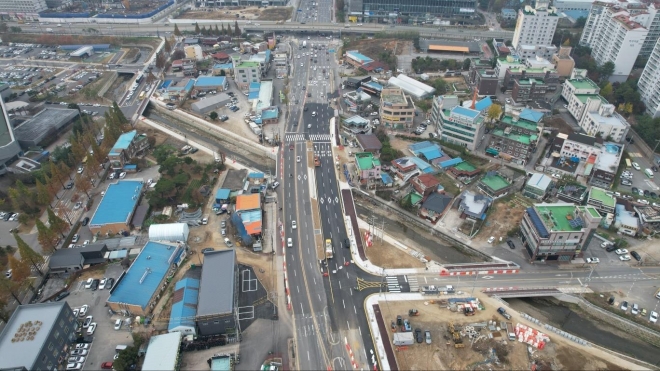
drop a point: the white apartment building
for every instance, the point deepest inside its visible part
(615, 33)
(534, 31)
(649, 83)
(604, 121)
(31, 7)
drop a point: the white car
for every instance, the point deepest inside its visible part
(82, 346)
(636, 166)
(302, 65)
(118, 324)
(88, 283)
(83, 310)
(102, 283)
(491, 239)
(91, 328)
(122, 175)
(653, 318)
(297, 158)
(593, 260)
(80, 170)
(289, 242)
(74, 366)
(620, 251)
(112, 176)
(605, 244)
(88, 322)
(293, 224)
(635, 309)
(86, 243)
(149, 181)
(624, 258)
(75, 238)
(642, 201)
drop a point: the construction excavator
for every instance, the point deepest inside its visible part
(456, 336)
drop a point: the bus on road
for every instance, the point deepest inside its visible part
(648, 173)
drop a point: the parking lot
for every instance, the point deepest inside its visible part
(103, 350)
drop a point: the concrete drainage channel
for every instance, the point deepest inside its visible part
(255, 156)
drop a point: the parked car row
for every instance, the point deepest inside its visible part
(636, 310)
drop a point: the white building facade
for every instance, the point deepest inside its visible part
(535, 29)
(616, 33)
(649, 83)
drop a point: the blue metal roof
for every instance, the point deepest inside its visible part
(508, 11)
(130, 167)
(483, 104)
(222, 194)
(422, 165)
(256, 175)
(418, 146)
(374, 85)
(270, 114)
(190, 85)
(118, 203)
(211, 81)
(531, 115)
(450, 163)
(467, 112)
(95, 46)
(254, 86)
(166, 84)
(184, 310)
(146, 274)
(251, 216)
(361, 57)
(253, 95)
(430, 153)
(538, 224)
(125, 140)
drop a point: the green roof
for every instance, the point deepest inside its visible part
(583, 84)
(554, 216)
(593, 212)
(520, 138)
(583, 97)
(415, 197)
(521, 123)
(465, 166)
(366, 161)
(246, 64)
(531, 81)
(495, 182)
(600, 195)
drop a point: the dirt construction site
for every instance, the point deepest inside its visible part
(483, 344)
(509, 212)
(241, 12)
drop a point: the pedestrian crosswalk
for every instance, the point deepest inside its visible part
(306, 137)
(392, 284)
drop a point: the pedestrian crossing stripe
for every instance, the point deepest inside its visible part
(305, 137)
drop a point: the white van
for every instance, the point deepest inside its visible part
(120, 348)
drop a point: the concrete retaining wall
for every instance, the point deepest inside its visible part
(413, 219)
(108, 84)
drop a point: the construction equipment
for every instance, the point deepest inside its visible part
(413, 312)
(468, 311)
(456, 336)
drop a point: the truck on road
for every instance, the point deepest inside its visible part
(403, 338)
(304, 44)
(49, 30)
(328, 249)
(510, 332)
(317, 162)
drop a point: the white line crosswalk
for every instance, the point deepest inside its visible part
(305, 137)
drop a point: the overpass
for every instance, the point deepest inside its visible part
(527, 292)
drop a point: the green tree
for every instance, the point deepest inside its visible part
(466, 64)
(237, 31)
(606, 70)
(119, 115)
(580, 22)
(494, 112)
(43, 195)
(167, 46)
(9, 287)
(15, 29)
(222, 29)
(197, 30)
(164, 187)
(57, 224)
(216, 32)
(46, 237)
(176, 30)
(29, 255)
(607, 91)
(203, 31)
(213, 115)
(20, 272)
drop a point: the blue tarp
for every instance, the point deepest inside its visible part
(387, 179)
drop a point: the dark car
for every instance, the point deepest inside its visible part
(503, 312)
(347, 243)
(305, 109)
(654, 168)
(611, 248)
(62, 295)
(510, 243)
(653, 195)
(109, 283)
(69, 185)
(636, 255)
(646, 193)
(418, 335)
(85, 221)
(635, 190)
(95, 285)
